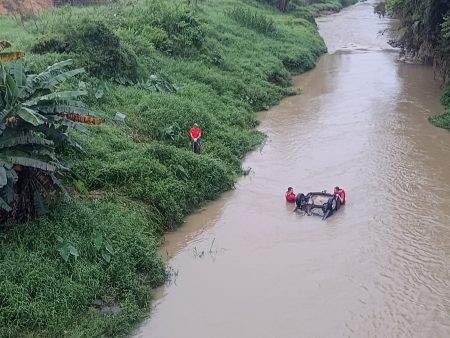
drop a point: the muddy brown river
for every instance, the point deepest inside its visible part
(248, 267)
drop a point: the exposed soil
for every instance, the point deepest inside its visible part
(17, 6)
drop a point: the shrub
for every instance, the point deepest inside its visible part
(442, 120)
(96, 48)
(173, 29)
(183, 28)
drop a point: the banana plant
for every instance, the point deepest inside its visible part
(34, 118)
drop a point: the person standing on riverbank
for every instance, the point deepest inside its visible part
(196, 134)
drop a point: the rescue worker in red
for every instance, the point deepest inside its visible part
(196, 134)
(340, 193)
(290, 196)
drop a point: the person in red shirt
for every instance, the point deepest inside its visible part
(290, 196)
(196, 134)
(340, 193)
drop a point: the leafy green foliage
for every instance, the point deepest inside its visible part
(66, 249)
(160, 84)
(80, 187)
(32, 123)
(104, 248)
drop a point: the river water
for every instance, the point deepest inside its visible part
(247, 267)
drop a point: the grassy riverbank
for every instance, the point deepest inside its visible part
(215, 63)
(443, 120)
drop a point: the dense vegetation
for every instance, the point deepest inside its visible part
(35, 116)
(311, 6)
(425, 34)
(443, 120)
(325, 6)
(165, 66)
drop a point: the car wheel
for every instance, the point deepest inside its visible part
(331, 204)
(338, 203)
(334, 204)
(300, 201)
(328, 208)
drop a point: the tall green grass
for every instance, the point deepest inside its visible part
(252, 19)
(319, 6)
(43, 296)
(140, 178)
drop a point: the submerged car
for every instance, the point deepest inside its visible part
(321, 203)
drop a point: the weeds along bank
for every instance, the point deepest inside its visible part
(443, 120)
(324, 7)
(165, 66)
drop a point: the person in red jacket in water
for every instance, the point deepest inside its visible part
(340, 193)
(196, 134)
(290, 196)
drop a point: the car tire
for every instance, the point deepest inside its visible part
(338, 203)
(300, 201)
(331, 205)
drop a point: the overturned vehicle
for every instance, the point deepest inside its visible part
(320, 203)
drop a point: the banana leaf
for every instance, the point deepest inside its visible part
(24, 139)
(3, 177)
(58, 183)
(65, 95)
(66, 109)
(11, 89)
(7, 164)
(58, 136)
(51, 83)
(58, 65)
(19, 74)
(46, 75)
(12, 176)
(3, 114)
(32, 162)
(7, 193)
(4, 205)
(31, 116)
(74, 125)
